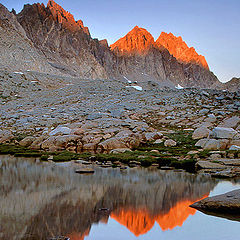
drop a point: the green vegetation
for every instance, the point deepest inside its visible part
(143, 155)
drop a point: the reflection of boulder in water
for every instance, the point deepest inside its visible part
(164, 201)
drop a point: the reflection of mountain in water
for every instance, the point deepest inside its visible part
(39, 201)
(140, 221)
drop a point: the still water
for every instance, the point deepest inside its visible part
(40, 201)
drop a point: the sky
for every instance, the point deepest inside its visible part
(212, 27)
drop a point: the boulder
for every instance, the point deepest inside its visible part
(6, 136)
(57, 143)
(60, 130)
(224, 204)
(230, 122)
(36, 144)
(234, 147)
(158, 141)
(201, 143)
(150, 136)
(230, 162)
(27, 141)
(200, 133)
(77, 131)
(209, 165)
(220, 132)
(120, 150)
(170, 143)
(215, 144)
(110, 144)
(89, 147)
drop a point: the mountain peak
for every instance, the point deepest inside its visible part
(138, 40)
(65, 18)
(180, 50)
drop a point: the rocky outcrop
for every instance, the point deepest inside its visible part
(219, 138)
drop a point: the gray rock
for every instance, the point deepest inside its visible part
(170, 143)
(120, 150)
(203, 112)
(200, 133)
(220, 132)
(230, 122)
(209, 165)
(27, 141)
(228, 203)
(60, 130)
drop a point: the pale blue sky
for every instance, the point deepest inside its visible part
(211, 26)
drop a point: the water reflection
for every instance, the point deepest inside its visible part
(40, 201)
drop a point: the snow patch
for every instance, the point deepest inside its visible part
(179, 87)
(127, 79)
(19, 73)
(136, 87)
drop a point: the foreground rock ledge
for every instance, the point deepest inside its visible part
(225, 205)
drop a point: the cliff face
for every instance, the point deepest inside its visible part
(65, 46)
(180, 50)
(65, 42)
(17, 52)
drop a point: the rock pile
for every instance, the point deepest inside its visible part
(220, 138)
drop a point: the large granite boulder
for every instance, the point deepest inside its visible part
(209, 165)
(226, 205)
(201, 132)
(27, 141)
(212, 144)
(220, 132)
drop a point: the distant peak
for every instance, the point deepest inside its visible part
(138, 40)
(180, 50)
(65, 18)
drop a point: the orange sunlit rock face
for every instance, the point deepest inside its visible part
(139, 40)
(65, 18)
(78, 236)
(140, 221)
(180, 50)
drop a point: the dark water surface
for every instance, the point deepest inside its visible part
(43, 200)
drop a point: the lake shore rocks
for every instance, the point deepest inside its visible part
(225, 205)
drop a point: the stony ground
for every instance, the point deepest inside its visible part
(52, 113)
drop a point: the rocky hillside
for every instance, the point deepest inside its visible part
(233, 85)
(61, 45)
(17, 52)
